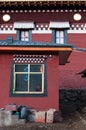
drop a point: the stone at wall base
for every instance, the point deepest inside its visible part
(7, 119)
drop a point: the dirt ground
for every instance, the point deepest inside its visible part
(75, 120)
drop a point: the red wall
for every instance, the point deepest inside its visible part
(44, 17)
(41, 37)
(50, 101)
(77, 39)
(5, 36)
(68, 73)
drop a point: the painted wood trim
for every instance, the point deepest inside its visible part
(65, 37)
(47, 49)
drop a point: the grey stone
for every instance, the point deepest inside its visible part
(7, 119)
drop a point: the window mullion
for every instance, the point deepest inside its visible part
(43, 79)
(42, 82)
(14, 81)
(28, 77)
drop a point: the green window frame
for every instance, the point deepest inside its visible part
(24, 30)
(59, 36)
(59, 32)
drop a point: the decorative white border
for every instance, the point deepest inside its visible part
(43, 29)
(77, 31)
(7, 32)
(25, 11)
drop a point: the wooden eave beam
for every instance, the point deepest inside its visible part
(39, 49)
(63, 52)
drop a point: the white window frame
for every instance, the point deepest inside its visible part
(28, 92)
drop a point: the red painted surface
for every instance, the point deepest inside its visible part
(68, 73)
(77, 39)
(41, 37)
(42, 103)
(44, 17)
(5, 36)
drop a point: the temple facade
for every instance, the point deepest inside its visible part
(42, 48)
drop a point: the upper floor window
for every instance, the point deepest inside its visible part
(24, 35)
(60, 37)
(24, 30)
(59, 32)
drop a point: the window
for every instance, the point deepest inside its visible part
(60, 37)
(24, 35)
(59, 32)
(24, 30)
(28, 76)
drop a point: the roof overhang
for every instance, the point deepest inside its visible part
(24, 25)
(59, 25)
(63, 52)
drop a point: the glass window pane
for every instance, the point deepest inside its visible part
(21, 68)
(35, 82)
(25, 39)
(60, 37)
(22, 33)
(21, 82)
(22, 39)
(61, 41)
(57, 40)
(36, 68)
(57, 33)
(61, 34)
(26, 33)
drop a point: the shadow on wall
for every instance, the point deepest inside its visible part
(72, 99)
(83, 73)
